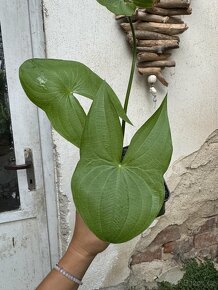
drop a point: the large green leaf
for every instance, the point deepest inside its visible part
(119, 199)
(51, 84)
(119, 6)
(125, 7)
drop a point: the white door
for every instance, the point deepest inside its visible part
(25, 252)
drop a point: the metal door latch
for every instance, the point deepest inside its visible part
(28, 166)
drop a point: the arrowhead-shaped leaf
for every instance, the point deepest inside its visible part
(125, 7)
(51, 84)
(119, 6)
(118, 199)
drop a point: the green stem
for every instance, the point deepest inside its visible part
(131, 73)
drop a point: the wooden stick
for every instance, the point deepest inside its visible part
(159, 63)
(162, 79)
(156, 49)
(169, 12)
(150, 56)
(172, 3)
(150, 43)
(124, 17)
(118, 17)
(149, 70)
(126, 26)
(164, 28)
(142, 34)
(141, 15)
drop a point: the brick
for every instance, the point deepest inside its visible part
(185, 246)
(209, 252)
(169, 234)
(181, 246)
(205, 240)
(208, 226)
(147, 256)
(169, 247)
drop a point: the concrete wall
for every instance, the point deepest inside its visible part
(85, 31)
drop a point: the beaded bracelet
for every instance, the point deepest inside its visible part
(67, 275)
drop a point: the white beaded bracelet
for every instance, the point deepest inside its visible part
(67, 275)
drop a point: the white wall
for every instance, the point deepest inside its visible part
(85, 31)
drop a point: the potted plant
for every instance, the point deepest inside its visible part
(117, 196)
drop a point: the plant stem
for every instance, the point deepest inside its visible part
(131, 73)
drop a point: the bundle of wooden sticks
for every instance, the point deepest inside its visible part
(156, 31)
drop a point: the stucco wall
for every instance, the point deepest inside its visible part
(84, 31)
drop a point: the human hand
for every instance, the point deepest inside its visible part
(82, 249)
(84, 240)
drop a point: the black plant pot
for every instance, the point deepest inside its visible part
(167, 192)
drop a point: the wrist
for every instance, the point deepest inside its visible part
(75, 249)
(76, 262)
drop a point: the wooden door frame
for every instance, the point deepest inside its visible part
(47, 151)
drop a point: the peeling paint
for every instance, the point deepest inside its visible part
(63, 200)
(188, 207)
